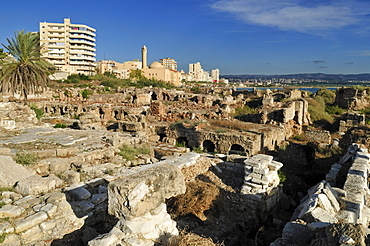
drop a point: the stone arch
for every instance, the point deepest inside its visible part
(209, 146)
(237, 149)
(182, 141)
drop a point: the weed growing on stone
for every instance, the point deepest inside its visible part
(2, 189)
(282, 176)
(60, 125)
(2, 237)
(129, 152)
(2, 204)
(38, 111)
(25, 158)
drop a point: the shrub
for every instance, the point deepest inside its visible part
(25, 158)
(245, 110)
(85, 93)
(60, 125)
(316, 108)
(39, 113)
(327, 95)
(334, 110)
(195, 89)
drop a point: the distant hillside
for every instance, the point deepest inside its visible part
(304, 76)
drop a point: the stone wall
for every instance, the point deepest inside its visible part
(351, 120)
(351, 98)
(321, 136)
(340, 212)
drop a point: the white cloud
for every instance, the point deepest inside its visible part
(292, 14)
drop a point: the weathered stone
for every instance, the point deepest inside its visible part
(319, 215)
(71, 177)
(11, 172)
(77, 192)
(35, 184)
(30, 221)
(49, 209)
(6, 227)
(136, 194)
(10, 211)
(33, 234)
(99, 198)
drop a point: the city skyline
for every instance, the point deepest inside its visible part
(235, 36)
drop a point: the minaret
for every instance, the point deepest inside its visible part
(143, 57)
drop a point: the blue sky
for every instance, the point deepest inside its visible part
(235, 36)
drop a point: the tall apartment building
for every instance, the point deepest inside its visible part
(70, 47)
(215, 75)
(169, 63)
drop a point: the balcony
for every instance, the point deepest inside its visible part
(81, 41)
(85, 47)
(82, 36)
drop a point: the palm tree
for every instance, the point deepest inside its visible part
(29, 71)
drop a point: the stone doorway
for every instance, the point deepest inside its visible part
(209, 146)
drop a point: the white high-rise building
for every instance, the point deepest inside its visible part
(70, 47)
(215, 75)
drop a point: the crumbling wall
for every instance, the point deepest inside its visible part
(326, 207)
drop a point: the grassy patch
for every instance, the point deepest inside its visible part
(25, 158)
(60, 125)
(38, 111)
(2, 237)
(129, 152)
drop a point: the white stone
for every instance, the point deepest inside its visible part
(30, 221)
(10, 211)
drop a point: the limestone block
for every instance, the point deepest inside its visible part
(10, 211)
(35, 184)
(332, 197)
(11, 195)
(32, 234)
(71, 177)
(296, 234)
(11, 172)
(30, 221)
(275, 165)
(25, 199)
(324, 203)
(12, 239)
(132, 126)
(49, 209)
(66, 152)
(108, 239)
(262, 171)
(6, 227)
(136, 194)
(259, 161)
(99, 198)
(77, 192)
(319, 215)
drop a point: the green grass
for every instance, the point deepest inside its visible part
(282, 176)
(2, 237)
(39, 113)
(25, 158)
(2, 204)
(2, 189)
(129, 152)
(60, 125)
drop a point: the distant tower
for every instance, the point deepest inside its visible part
(143, 57)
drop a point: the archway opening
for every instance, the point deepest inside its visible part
(209, 146)
(182, 142)
(237, 149)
